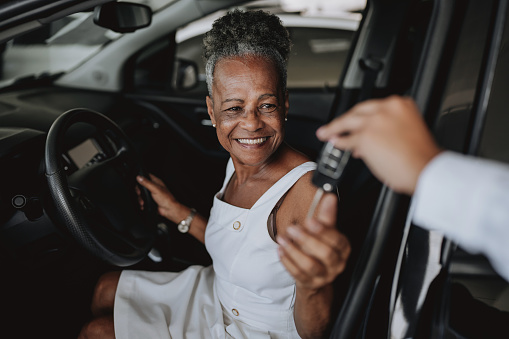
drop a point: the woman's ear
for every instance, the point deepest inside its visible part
(210, 110)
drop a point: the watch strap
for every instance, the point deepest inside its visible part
(184, 225)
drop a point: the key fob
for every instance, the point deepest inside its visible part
(331, 163)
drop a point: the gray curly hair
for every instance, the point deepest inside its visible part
(253, 33)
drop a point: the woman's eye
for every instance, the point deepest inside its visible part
(267, 108)
(233, 109)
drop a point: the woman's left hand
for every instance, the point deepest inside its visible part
(167, 205)
(315, 253)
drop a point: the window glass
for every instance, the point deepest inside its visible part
(59, 46)
(56, 47)
(320, 47)
(316, 60)
(454, 120)
(152, 71)
(317, 56)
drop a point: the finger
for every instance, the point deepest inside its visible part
(327, 217)
(305, 264)
(342, 126)
(288, 263)
(352, 120)
(349, 122)
(328, 236)
(152, 187)
(156, 180)
(137, 190)
(325, 247)
(351, 142)
(327, 210)
(300, 266)
(293, 269)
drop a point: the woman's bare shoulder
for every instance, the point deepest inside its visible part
(303, 190)
(296, 204)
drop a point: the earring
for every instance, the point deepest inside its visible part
(214, 125)
(286, 119)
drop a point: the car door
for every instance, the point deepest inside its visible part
(464, 296)
(413, 283)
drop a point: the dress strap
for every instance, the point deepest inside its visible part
(277, 190)
(230, 169)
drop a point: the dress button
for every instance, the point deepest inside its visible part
(235, 312)
(236, 225)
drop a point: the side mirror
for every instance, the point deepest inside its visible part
(185, 75)
(123, 17)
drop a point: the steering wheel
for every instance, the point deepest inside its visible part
(98, 203)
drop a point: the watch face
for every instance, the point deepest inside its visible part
(183, 227)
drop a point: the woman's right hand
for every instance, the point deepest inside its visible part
(168, 206)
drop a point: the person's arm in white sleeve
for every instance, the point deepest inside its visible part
(467, 199)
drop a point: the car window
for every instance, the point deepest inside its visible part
(317, 56)
(152, 71)
(58, 46)
(316, 60)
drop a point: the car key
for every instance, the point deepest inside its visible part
(331, 164)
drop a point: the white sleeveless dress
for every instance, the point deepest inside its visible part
(246, 293)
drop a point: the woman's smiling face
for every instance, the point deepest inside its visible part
(248, 107)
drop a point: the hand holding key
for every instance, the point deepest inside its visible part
(389, 135)
(315, 253)
(331, 164)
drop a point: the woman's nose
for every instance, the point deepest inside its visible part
(252, 120)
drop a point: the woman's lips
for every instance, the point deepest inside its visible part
(255, 141)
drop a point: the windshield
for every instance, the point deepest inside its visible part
(57, 47)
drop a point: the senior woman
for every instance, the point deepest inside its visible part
(272, 269)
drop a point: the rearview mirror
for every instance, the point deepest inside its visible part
(123, 17)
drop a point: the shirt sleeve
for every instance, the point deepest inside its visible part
(467, 199)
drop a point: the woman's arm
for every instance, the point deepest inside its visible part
(315, 253)
(170, 208)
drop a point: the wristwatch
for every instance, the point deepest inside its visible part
(183, 226)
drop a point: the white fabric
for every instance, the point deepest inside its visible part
(467, 199)
(246, 275)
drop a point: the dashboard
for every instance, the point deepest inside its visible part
(27, 227)
(23, 216)
(82, 155)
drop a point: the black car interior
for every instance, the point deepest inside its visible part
(400, 48)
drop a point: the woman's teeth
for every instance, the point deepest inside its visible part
(252, 141)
